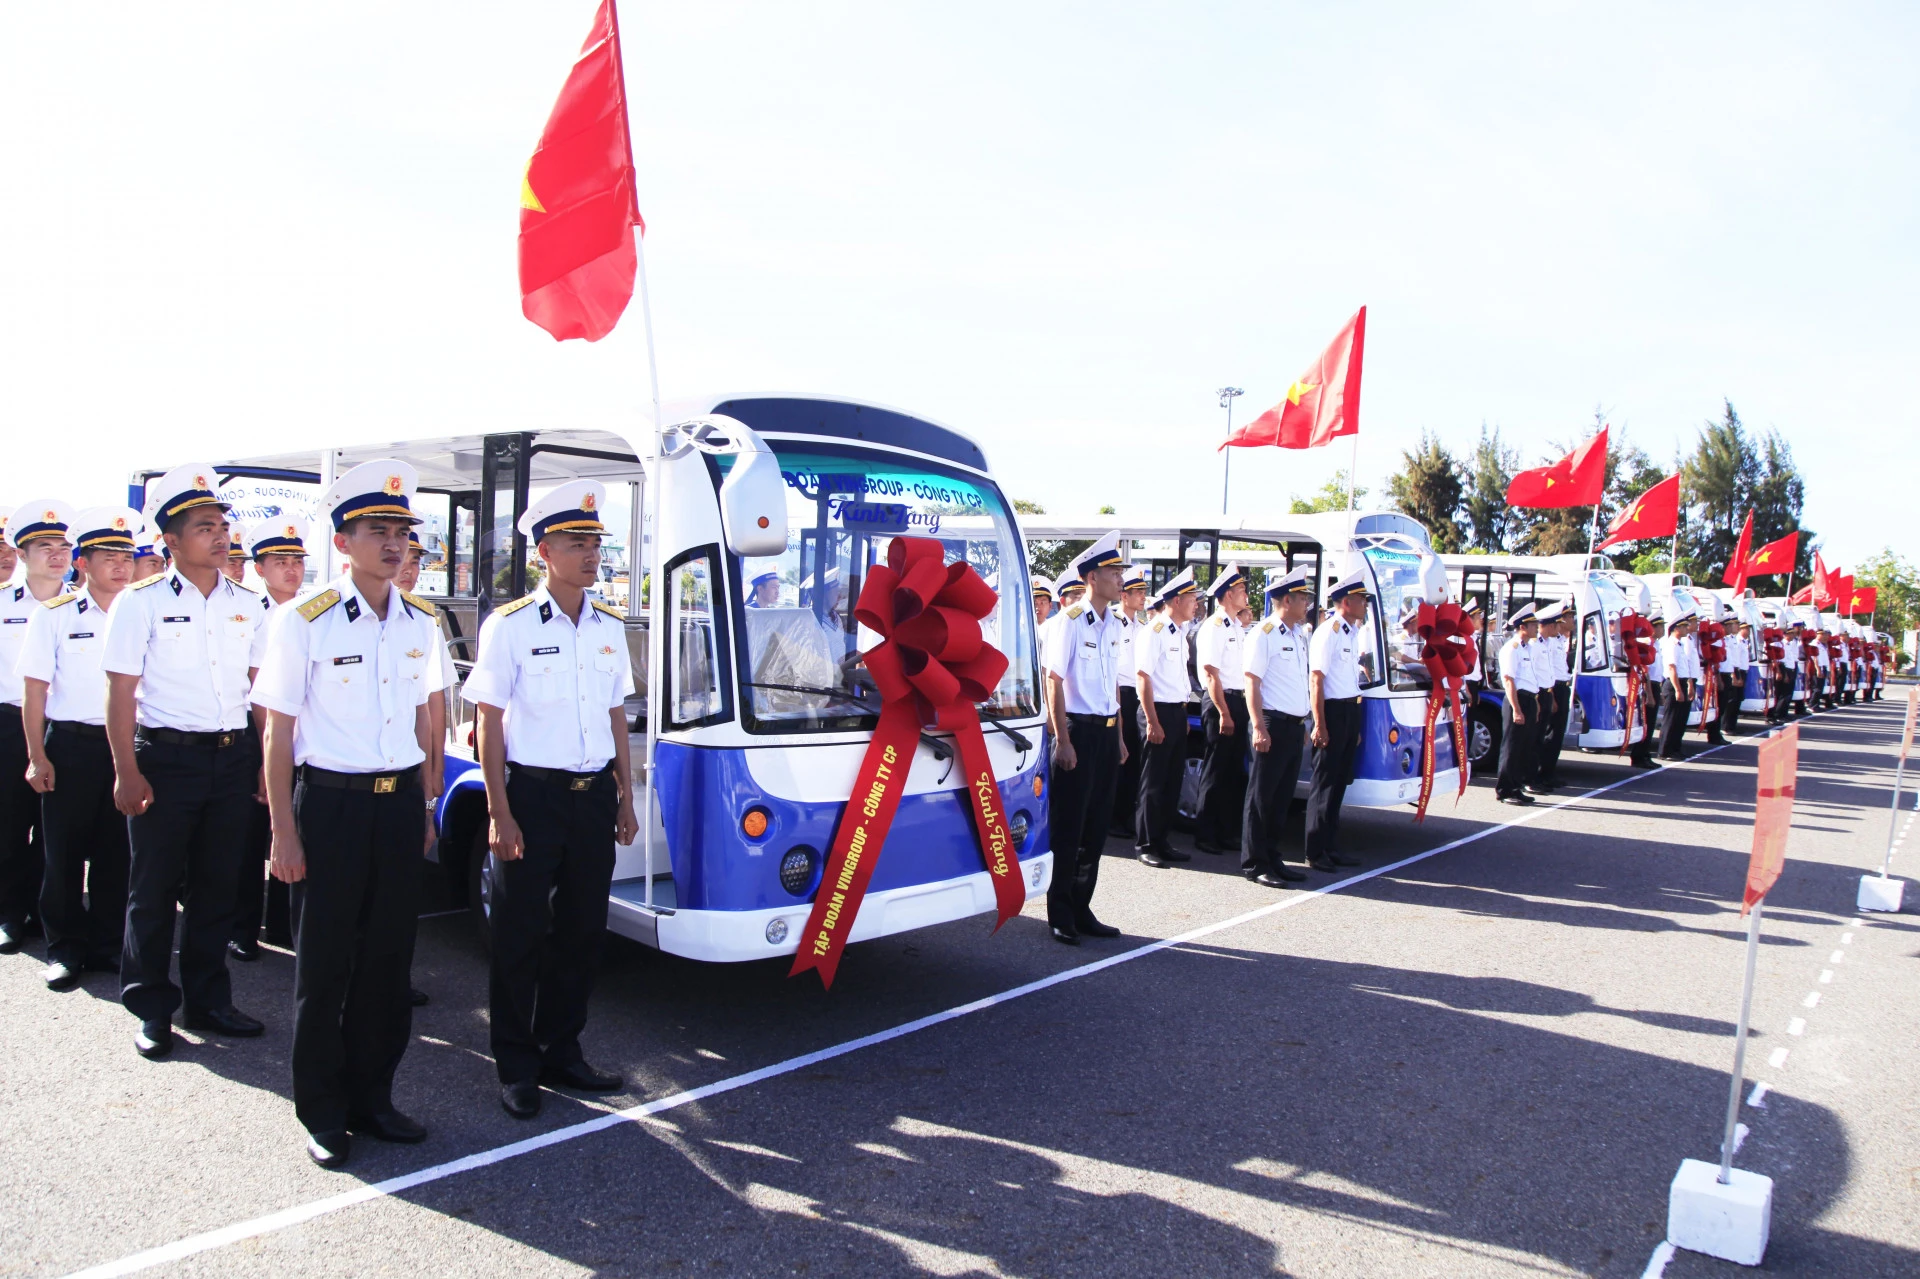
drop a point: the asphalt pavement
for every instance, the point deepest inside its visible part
(1485, 1052)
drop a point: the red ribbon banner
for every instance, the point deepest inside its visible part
(1446, 647)
(1712, 642)
(1636, 640)
(932, 669)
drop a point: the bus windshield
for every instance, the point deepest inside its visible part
(1395, 612)
(800, 653)
(1600, 645)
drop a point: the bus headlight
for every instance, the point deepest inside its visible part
(776, 931)
(796, 870)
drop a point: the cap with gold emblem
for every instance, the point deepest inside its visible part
(373, 490)
(180, 490)
(106, 528)
(1104, 553)
(281, 534)
(574, 507)
(1298, 582)
(1180, 584)
(1134, 580)
(1225, 580)
(42, 517)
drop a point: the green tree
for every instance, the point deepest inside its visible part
(1570, 530)
(1331, 497)
(1730, 472)
(1429, 487)
(1048, 556)
(1897, 581)
(1491, 523)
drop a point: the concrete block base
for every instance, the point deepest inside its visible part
(1730, 1222)
(1881, 894)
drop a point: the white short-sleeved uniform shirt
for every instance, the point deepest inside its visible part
(1736, 659)
(1127, 676)
(1559, 668)
(1335, 653)
(65, 641)
(351, 679)
(1219, 643)
(1085, 653)
(1669, 655)
(556, 680)
(1820, 656)
(1790, 652)
(1160, 653)
(1516, 664)
(17, 607)
(192, 652)
(1276, 655)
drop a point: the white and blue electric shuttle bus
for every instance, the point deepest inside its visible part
(763, 711)
(1397, 558)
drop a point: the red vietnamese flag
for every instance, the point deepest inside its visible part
(1864, 599)
(577, 203)
(1734, 576)
(1842, 587)
(1578, 479)
(1772, 559)
(1818, 592)
(1323, 403)
(1655, 513)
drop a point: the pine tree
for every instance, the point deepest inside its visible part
(1429, 487)
(1490, 522)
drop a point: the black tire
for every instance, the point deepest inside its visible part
(1483, 736)
(480, 888)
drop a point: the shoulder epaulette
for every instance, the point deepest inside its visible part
(1266, 627)
(1159, 626)
(1221, 619)
(1075, 610)
(420, 604)
(610, 611)
(58, 600)
(313, 608)
(514, 607)
(145, 582)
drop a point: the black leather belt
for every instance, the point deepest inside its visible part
(9, 711)
(175, 737)
(1104, 721)
(574, 781)
(378, 783)
(79, 729)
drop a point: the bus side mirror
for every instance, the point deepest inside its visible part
(753, 504)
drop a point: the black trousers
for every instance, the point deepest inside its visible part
(1332, 774)
(357, 907)
(1647, 711)
(1517, 743)
(1676, 708)
(1079, 813)
(1275, 772)
(1223, 773)
(1126, 785)
(83, 901)
(549, 918)
(253, 871)
(186, 851)
(1161, 770)
(1782, 697)
(1733, 691)
(21, 855)
(1553, 734)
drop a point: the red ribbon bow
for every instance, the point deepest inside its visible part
(1446, 648)
(931, 669)
(1712, 639)
(1636, 643)
(1774, 639)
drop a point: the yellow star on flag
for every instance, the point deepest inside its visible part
(528, 200)
(1549, 481)
(1761, 558)
(1297, 390)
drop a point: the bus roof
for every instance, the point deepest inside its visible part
(1571, 567)
(1321, 528)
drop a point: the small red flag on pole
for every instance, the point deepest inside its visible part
(1772, 814)
(1735, 576)
(1773, 559)
(1655, 513)
(1323, 403)
(578, 208)
(1578, 479)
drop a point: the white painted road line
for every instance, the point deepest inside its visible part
(1798, 1026)
(298, 1214)
(1757, 1099)
(1812, 999)
(1778, 1058)
(1657, 1263)
(1836, 957)
(1826, 975)
(1846, 939)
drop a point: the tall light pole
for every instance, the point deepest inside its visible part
(1228, 394)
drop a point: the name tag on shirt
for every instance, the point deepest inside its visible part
(176, 619)
(16, 621)
(79, 634)
(546, 652)
(353, 660)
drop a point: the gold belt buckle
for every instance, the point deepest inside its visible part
(226, 739)
(1110, 720)
(385, 785)
(579, 783)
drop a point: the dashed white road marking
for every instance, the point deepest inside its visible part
(1757, 1099)
(1798, 1026)
(1812, 999)
(1826, 975)
(1846, 939)
(1778, 1058)
(1836, 957)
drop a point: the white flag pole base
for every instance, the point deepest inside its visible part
(1881, 892)
(1730, 1222)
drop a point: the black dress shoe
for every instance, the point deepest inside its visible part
(581, 1077)
(61, 975)
(1268, 880)
(1092, 927)
(521, 1098)
(228, 1021)
(10, 939)
(154, 1039)
(1341, 859)
(1173, 854)
(1324, 866)
(1148, 857)
(245, 952)
(1283, 871)
(1066, 936)
(1518, 801)
(417, 997)
(329, 1149)
(1539, 792)
(1208, 846)
(389, 1125)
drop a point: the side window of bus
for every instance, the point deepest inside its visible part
(1593, 648)
(697, 692)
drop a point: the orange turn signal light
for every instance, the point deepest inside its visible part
(1038, 784)
(754, 824)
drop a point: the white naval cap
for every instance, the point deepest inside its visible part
(1043, 585)
(1069, 582)
(1352, 584)
(1134, 579)
(42, 517)
(381, 489)
(574, 507)
(1104, 553)
(1181, 583)
(1225, 580)
(1297, 582)
(106, 528)
(1525, 613)
(146, 544)
(1550, 612)
(186, 486)
(283, 534)
(767, 572)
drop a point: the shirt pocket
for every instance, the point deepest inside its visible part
(542, 677)
(606, 675)
(341, 668)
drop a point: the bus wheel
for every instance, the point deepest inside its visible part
(480, 888)
(1483, 735)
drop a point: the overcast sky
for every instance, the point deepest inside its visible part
(1056, 227)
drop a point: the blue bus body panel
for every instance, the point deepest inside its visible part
(457, 777)
(1606, 713)
(704, 791)
(1390, 751)
(1757, 690)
